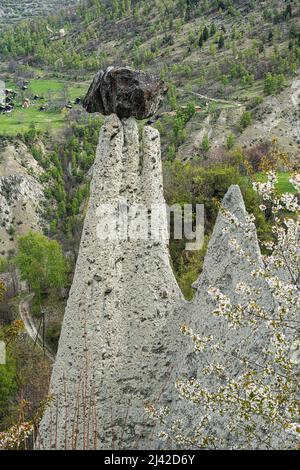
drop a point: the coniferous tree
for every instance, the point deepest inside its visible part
(213, 30)
(288, 12)
(270, 37)
(261, 47)
(205, 34)
(200, 41)
(221, 42)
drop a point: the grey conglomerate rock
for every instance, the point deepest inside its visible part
(121, 344)
(125, 92)
(115, 343)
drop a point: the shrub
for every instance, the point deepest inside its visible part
(273, 84)
(246, 120)
(205, 143)
(230, 141)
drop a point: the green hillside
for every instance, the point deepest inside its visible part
(12, 11)
(219, 46)
(53, 95)
(220, 55)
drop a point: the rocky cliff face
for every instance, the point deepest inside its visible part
(21, 195)
(121, 344)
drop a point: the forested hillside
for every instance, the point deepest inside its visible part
(240, 53)
(12, 11)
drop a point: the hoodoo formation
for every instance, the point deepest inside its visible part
(121, 346)
(116, 345)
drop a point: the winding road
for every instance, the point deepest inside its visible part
(24, 311)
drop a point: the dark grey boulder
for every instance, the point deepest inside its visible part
(125, 92)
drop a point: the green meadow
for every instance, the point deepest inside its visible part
(50, 91)
(283, 185)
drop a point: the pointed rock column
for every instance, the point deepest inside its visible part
(115, 349)
(233, 254)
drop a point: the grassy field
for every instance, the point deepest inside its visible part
(283, 185)
(49, 91)
(20, 121)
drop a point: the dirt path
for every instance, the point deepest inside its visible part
(215, 100)
(24, 311)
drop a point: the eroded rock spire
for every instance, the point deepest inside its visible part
(115, 347)
(121, 344)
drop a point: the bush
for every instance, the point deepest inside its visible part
(205, 143)
(273, 84)
(246, 120)
(254, 102)
(8, 383)
(11, 231)
(230, 141)
(221, 42)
